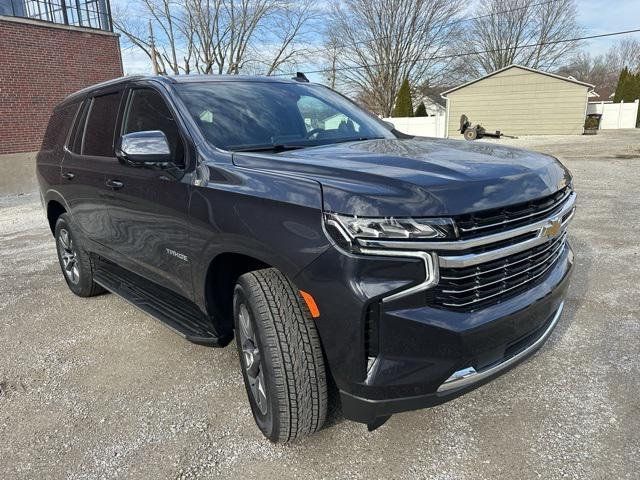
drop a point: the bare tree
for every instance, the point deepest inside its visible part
(290, 33)
(603, 70)
(161, 15)
(220, 36)
(331, 54)
(381, 42)
(519, 31)
(626, 53)
(600, 71)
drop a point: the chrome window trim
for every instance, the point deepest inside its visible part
(468, 376)
(474, 242)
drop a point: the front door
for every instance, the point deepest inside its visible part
(148, 206)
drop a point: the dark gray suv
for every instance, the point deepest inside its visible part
(345, 257)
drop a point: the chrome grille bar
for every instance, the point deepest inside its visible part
(554, 256)
(530, 257)
(505, 290)
(470, 259)
(522, 217)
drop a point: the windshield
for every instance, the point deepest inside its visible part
(257, 115)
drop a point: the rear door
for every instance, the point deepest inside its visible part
(87, 157)
(148, 206)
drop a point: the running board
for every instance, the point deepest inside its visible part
(169, 308)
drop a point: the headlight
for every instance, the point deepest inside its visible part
(347, 229)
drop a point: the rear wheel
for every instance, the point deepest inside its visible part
(75, 262)
(281, 356)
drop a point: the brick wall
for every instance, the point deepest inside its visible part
(39, 66)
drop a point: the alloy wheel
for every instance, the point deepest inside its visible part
(68, 256)
(251, 359)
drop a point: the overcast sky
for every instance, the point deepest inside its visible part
(596, 16)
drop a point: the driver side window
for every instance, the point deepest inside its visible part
(318, 115)
(147, 110)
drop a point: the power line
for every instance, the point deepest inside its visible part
(454, 22)
(465, 54)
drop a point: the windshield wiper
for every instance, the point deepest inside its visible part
(281, 147)
(278, 147)
(355, 139)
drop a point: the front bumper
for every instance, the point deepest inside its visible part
(367, 410)
(419, 348)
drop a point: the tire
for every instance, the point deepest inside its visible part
(75, 263)
(470, 134)
(290, 363)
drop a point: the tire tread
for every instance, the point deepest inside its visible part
(297, 358)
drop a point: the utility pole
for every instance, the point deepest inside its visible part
(152, 44)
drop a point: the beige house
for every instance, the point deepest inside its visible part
(519, 100)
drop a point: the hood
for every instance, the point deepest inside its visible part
(418, 177)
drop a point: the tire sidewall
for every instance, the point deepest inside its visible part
(268, 423)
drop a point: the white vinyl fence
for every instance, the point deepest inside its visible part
(420, 126)
(615, 115)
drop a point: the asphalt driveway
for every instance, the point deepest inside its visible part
(92, 388)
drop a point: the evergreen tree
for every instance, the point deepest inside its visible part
(404, 105)
(421, 110)
(634, 93)
(622, 85)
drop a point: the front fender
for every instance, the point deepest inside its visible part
(274, 218)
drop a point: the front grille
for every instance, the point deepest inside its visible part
(501, 219)
(492, 282)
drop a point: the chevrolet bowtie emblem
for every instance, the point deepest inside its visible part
(551, 228)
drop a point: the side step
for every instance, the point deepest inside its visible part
(174, 311)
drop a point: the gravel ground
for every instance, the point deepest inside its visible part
(92, 388)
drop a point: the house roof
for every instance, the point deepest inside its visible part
(522, 67)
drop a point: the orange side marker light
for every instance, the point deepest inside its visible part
(311, 303)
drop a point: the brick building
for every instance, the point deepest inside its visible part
(48, 50)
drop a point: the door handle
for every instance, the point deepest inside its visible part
(115, 184)
(68, 175)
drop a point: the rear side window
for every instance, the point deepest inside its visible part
(58, 127)
(101, 125)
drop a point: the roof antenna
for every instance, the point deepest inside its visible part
(300, 77)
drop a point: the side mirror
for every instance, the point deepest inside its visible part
(150, 146)
(390, 125)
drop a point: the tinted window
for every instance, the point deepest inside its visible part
(243, 114)
(101, 125)
(58, 127)
(148, 111)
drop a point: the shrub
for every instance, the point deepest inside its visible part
(421, 110)
(591, 123)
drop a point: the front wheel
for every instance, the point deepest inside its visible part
(281, 356)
